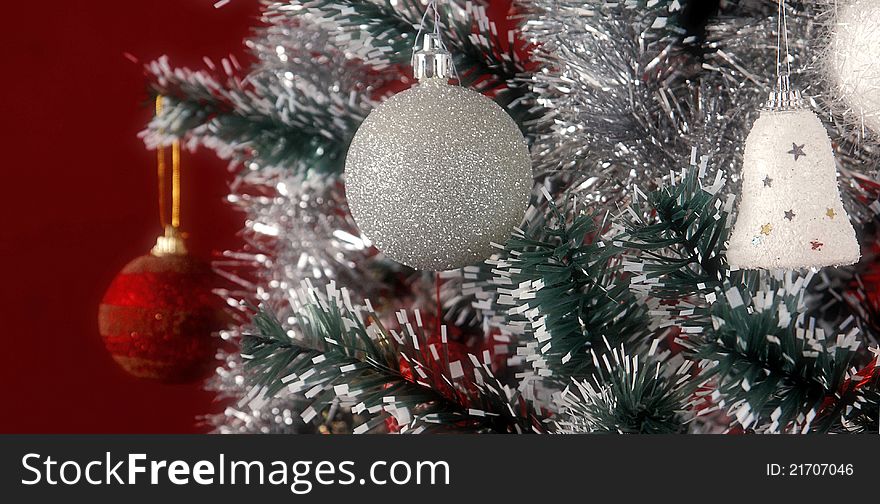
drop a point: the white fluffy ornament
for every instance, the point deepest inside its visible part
(437, 173)
(791, 215)
(853, 63)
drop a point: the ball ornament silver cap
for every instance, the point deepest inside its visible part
(432, 60)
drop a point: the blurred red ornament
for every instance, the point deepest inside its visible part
(159, 314)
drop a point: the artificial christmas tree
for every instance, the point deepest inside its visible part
(613, 300)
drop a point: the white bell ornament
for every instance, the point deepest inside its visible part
(791, 215)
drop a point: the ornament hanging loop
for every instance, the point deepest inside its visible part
(430, 58)
(783, 97)
(171, 243)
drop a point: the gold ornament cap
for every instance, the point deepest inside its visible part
(170, 244)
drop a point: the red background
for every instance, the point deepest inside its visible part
(79, 201)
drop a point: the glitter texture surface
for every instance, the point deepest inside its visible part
(158, 317)
(436, 174)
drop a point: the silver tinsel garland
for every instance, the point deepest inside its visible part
(626, 102)
(616, 111)
(299, 231)
(297, 222)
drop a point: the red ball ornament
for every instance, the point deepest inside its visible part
(159, 314)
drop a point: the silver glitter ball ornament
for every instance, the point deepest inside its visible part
(436, 174)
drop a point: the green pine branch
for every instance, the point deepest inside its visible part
(679, 234)
(771, 369)
(861, 413)
(255, 121)
(564, 286)
(855, 407)
(629, 395)
(382, 35)
(336, 356)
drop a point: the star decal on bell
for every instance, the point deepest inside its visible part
(790, 215)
